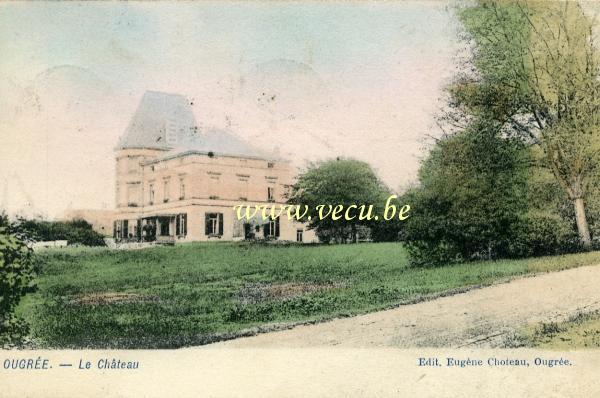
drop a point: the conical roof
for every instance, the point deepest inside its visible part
(161, 121)
(166, 121)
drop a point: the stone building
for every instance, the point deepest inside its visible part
(177, 182)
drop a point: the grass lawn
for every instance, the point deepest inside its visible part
(583, 331)
(197, 293)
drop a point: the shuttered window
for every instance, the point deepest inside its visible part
(213, 224)
(181, 224)
(121, 230)
(271, 229)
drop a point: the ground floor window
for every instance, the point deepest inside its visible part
(121, 229)
(271, 229)
(299, 234)
(117, 229)
(213, 224)
(181, 224)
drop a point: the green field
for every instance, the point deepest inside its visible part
(198, 293)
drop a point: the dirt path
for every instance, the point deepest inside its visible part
(478, 318)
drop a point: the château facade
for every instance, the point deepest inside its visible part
(177, 182)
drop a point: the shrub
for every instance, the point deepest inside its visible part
(437, 239)
(75, 231)
(543, 233)
(471, 197)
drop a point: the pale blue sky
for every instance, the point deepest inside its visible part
(356, 79)
(330, 35)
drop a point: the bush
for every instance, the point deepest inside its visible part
(544, 233)
(438, 238)
(75, 231)
(16, 279)
(472, 194)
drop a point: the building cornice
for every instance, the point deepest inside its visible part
(210, 154)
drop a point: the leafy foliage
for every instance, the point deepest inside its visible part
(17, 273)
(74, 231)
(537, 73)
(338, 182)
(517, 177)
(471, 197)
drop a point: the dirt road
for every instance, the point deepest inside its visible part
(479, 318)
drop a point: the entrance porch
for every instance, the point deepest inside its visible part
(159, 228)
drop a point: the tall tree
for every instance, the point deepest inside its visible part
(537, 74)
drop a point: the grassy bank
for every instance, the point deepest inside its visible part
(581, 332)
(196, 293)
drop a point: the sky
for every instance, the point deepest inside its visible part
(310, 80)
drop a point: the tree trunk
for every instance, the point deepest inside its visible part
(582, 224)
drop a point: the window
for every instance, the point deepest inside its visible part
(271, 194)
(151, 193)
(133, 163)
(166, 193)
(299, 234)
(270, 165)
(243, 186)
(213, 186)
(271, 229)
(181, 189)
(181, 224)
(120, 229)
(214, 224)
(133, 194)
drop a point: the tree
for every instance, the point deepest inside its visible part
(537, 75)
(337, 182)
(16, 279)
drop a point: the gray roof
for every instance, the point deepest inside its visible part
(166, 121)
